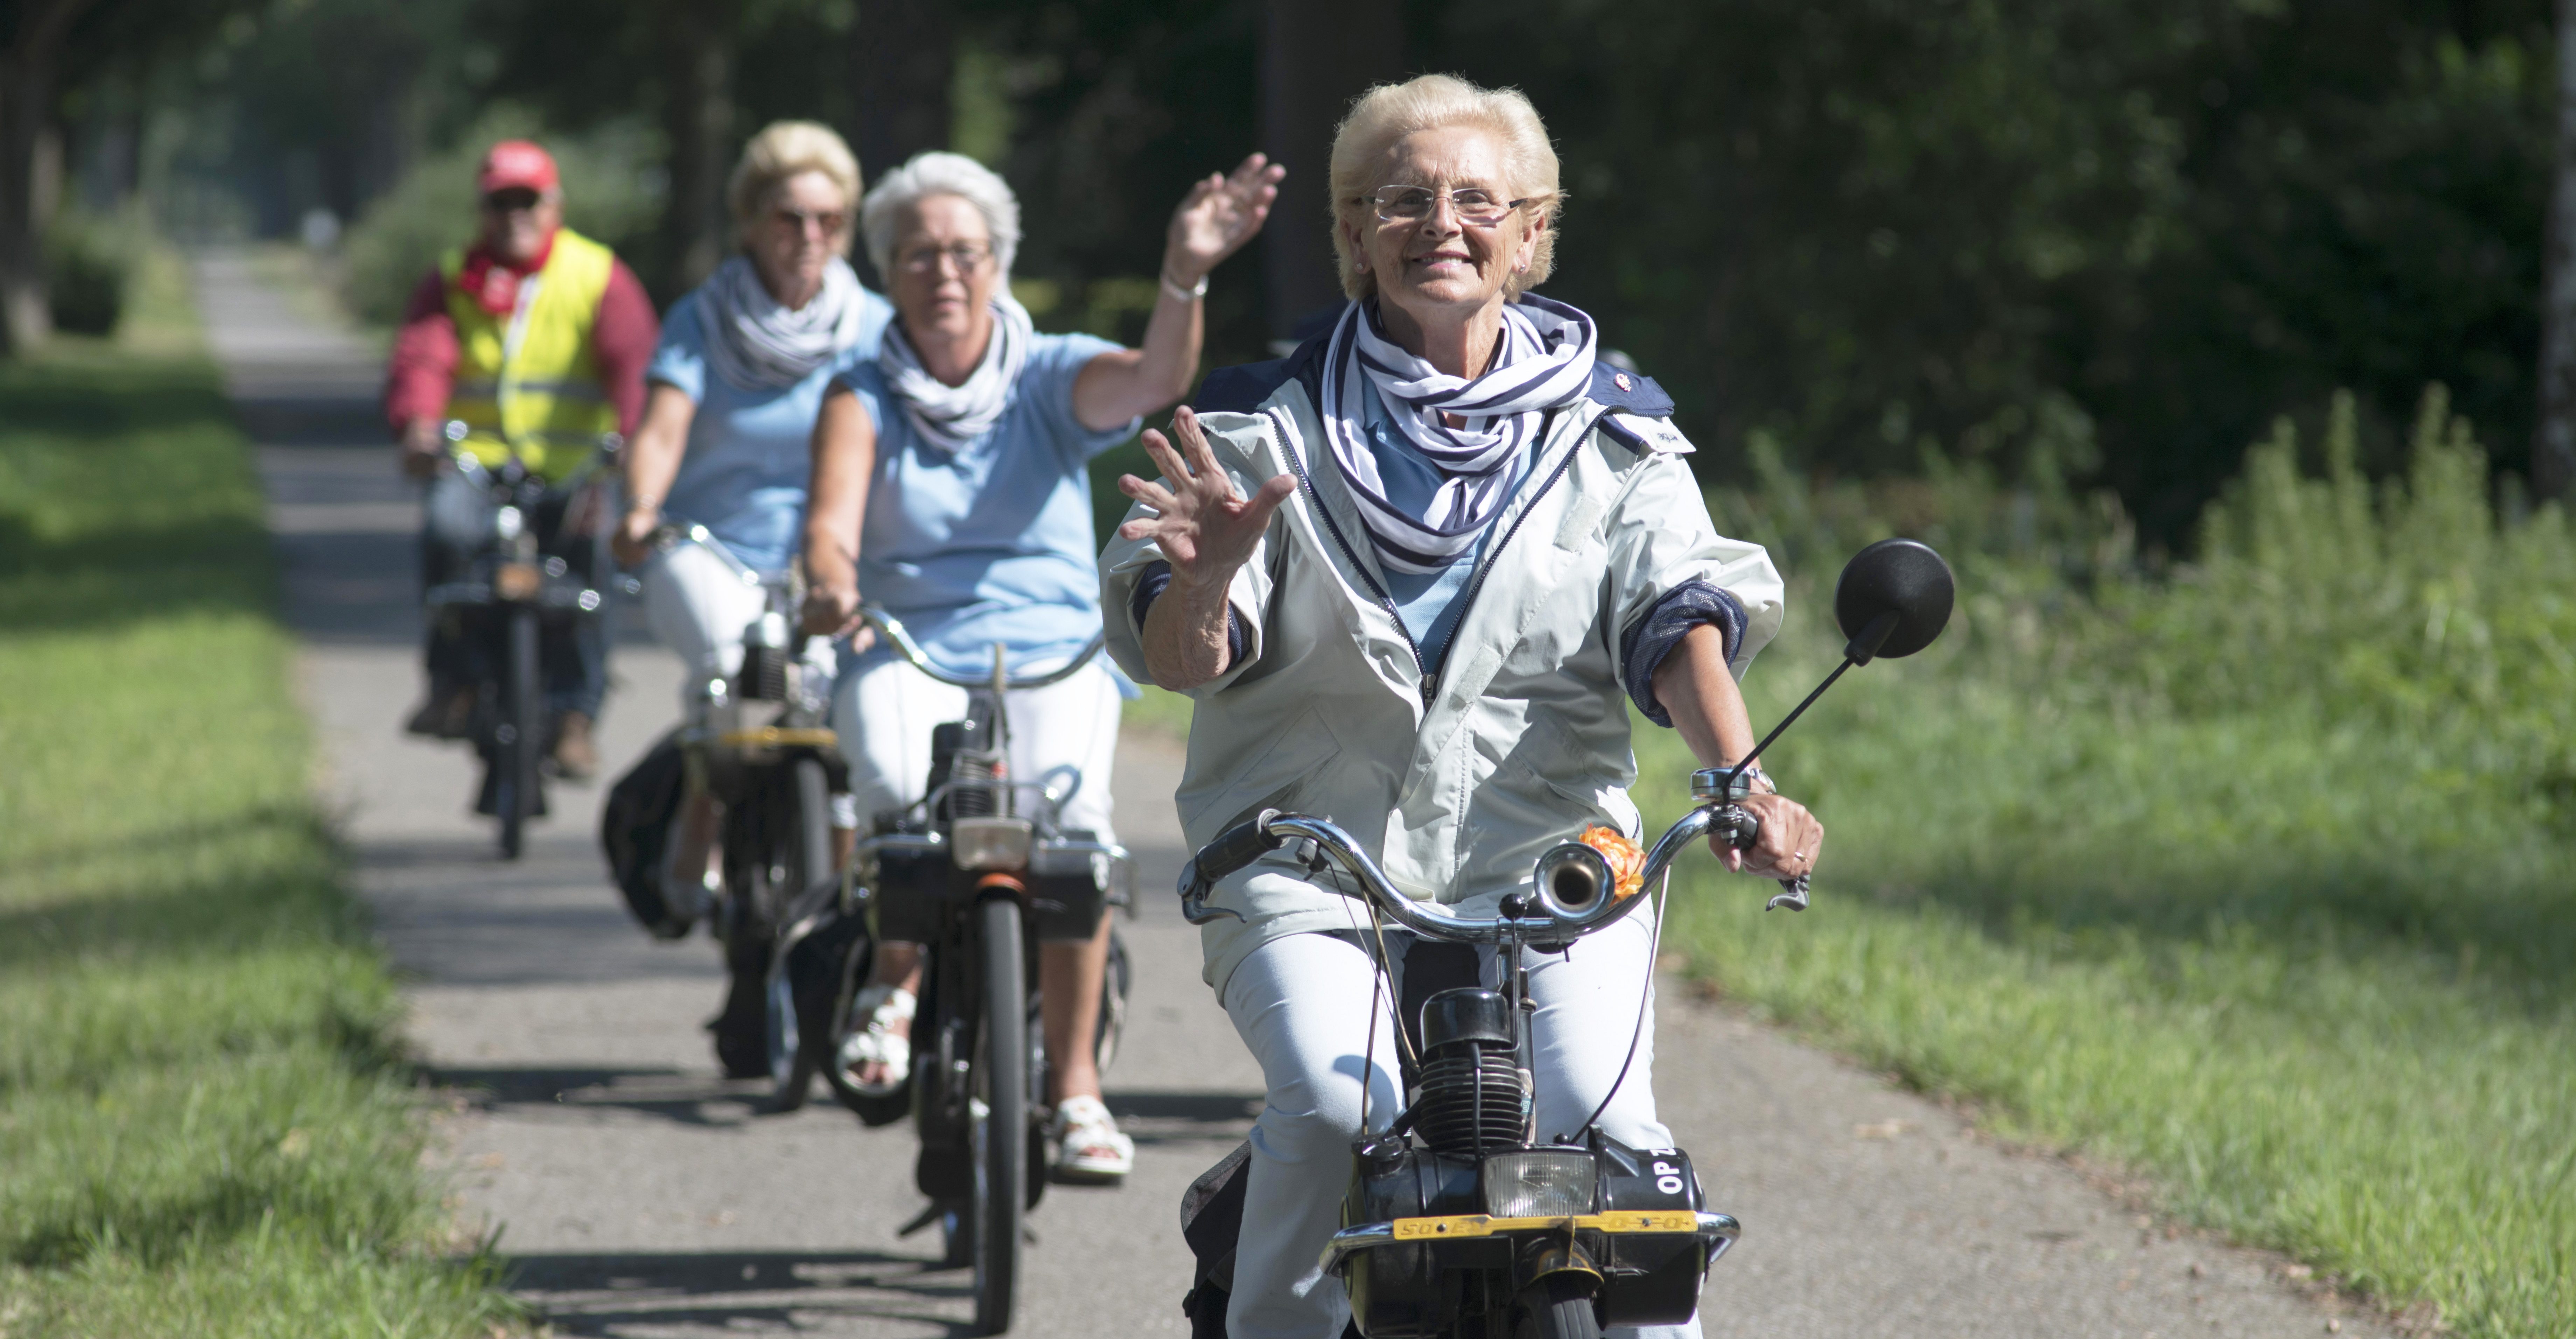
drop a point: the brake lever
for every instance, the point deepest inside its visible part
(1794, 897)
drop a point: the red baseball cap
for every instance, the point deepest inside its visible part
(515, 162)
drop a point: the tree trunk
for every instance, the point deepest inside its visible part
(2553, 448)
(903, 59)
(1316, 55)
(698, 122)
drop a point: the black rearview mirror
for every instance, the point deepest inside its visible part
(1893, 599)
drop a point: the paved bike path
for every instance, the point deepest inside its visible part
(639, 1194)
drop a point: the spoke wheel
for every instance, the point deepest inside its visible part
(521, 736)
(1001, 1143)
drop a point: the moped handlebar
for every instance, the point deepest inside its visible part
(1572, 891)
(671, 535)
(892, 630)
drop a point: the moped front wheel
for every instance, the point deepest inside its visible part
(521, 735)
(804, 853)
(1001, 1141)
(1556, 1307)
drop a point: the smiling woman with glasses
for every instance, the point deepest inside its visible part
(962, 446)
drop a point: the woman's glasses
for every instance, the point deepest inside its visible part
(1413, 204)
(970, 257)
(831, 221)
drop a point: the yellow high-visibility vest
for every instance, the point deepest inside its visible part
(527, 379)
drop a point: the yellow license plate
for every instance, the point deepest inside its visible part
(1485, 1225)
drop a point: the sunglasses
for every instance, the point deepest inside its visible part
(511, 200)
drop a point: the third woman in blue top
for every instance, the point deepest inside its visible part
(963, 445)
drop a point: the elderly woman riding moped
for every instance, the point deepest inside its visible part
(962, 446)
(1414, 575)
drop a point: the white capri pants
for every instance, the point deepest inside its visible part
(698, 606)
(884, 710)
(1301, 1003)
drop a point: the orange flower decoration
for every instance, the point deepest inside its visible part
(1627, 859)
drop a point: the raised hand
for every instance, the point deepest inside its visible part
(1218, 216)
(1204, 527)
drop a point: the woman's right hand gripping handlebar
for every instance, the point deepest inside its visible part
(1206, 530)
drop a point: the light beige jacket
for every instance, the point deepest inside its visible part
(1518, 743)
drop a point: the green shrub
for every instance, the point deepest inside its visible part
(610, 195)
(89, 262)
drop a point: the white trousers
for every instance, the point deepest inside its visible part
(885, 710)
(1301, 1003)
(698, 606)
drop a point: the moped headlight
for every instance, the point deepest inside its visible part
(1539, 1183)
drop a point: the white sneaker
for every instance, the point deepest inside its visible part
(873, 1041)
(1089, 1149)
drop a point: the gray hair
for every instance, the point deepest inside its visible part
(937, 173)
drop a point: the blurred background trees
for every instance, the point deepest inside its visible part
(2100, 241)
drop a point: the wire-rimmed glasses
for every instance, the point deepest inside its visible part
(1473, 205)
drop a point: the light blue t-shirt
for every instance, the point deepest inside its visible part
(1428, 602)
(750, 452)
(993, 544)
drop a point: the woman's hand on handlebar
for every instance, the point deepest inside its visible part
(1789, 843)
(633, 541)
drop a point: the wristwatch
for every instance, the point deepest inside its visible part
(1710, 783)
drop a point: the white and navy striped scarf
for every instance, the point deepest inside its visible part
(757, 343)
(1544, 361)
(954, 418)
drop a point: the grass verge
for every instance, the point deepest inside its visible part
(204, 1125)
(2259, 880)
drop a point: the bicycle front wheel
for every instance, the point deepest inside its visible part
(1001, 1141)
(804, 855)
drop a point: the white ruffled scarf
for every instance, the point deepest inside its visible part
(759, 344)
(954, 418)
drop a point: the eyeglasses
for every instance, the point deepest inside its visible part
(970, 257)
(511, 199)
(1413, 204)
(798, 220)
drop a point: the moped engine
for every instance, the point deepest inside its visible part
(1474, 1096)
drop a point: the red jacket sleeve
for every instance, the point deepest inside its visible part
(423, 367)
(622, 337)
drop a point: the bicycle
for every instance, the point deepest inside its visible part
(514, 591)
(978, 871)
(759, 743)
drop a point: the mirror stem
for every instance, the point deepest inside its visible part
(1873, 635)
(1792, 717)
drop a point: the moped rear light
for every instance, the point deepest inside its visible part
(517, 581)
(1539, 1183)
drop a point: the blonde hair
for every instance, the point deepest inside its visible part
(785, 149)
(1389, 112)
(941, 173)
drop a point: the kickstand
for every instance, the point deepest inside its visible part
(922, 1219)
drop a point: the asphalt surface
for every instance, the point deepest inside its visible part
(638, 1194)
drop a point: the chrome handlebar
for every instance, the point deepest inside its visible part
(892, 630)
(1572, 891)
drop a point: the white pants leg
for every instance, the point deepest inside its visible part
(885, 712)
(1301, 1003)
(698, 606)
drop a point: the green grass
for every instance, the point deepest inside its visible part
(204, 1122)
(2259, 880)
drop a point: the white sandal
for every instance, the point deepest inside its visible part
(1089, 1147)
(875, 1042)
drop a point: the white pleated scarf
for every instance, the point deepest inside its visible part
(954, 418)
(758, 344)
(1545, 361)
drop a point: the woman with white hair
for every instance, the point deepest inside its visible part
(1415, 575)
(963, 444)
(728, 426)
(725, 441)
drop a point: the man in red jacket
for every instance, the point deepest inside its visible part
(535, 339)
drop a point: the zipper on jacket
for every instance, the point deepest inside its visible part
(1430, 680)
(1297, 462)
(1467, 605)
